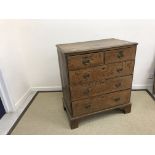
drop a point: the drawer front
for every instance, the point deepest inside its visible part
(84, 76)
(86, 91)
(119, 69)
(102, 87)
(101, 102)
(120, 55)
(80, 76)
(101, 72)
(110, 100)
(118, 98)
(85, 60)
(81, 107)
(117, 84)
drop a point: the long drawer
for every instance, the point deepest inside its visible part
(97, 88)
(101, 73)
(101, 102)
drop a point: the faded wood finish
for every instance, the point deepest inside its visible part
(120, 55)
(100, 87)
(86, 60)
(119, 83)
(96, 76)
(101, 72)
(104, 44)
(87, 90)
(96, 103)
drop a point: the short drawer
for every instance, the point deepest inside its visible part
(121, 54)
(101, 102)
(85, 60)
(87, 90)
(100, 73)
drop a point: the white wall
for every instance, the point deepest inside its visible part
(11, 64)
(40, 37)
(29, 57)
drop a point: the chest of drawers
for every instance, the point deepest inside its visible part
(96, 76)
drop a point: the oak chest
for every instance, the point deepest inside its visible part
(96, 76)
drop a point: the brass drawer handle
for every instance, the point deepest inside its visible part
(87, 106)
(103, 68)
(86, 92)
(117, 85)
(120, 54)
(86, 76)
(85, 61)
(117, 99)
(119, 70)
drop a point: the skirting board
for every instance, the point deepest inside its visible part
(23, 104)
(59, 88)
(9, 119)
(52, 88)
(148, 86)
(12, 128)
(25, 98)
(33, 90)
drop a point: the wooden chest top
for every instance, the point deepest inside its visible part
(93, 45)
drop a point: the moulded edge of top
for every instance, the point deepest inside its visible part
(93, 45)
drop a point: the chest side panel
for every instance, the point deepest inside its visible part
(64, 79)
